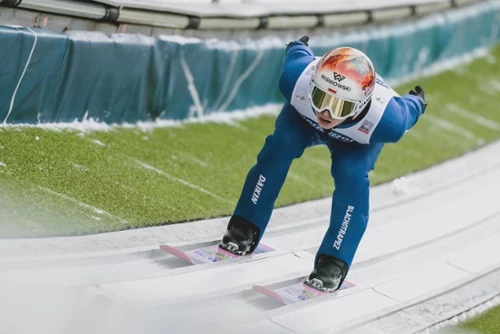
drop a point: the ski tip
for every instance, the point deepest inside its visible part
(269, 293)
(264, 248)
(348, 284)
(176, 252)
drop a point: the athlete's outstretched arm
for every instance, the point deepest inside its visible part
(401, 114)
(298, 56)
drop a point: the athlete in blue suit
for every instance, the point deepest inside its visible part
(337, 100)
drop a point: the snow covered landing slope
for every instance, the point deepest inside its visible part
(429, 254)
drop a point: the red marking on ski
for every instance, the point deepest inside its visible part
(210, 254)
(176, 252)
(269, 293)
(297, 292)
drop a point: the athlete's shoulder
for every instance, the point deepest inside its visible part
(383, 98)
(382, 88)
(399, 113)
(292, 72)
(385, 107)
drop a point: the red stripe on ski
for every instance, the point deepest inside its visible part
(176, 252)
(269, 293)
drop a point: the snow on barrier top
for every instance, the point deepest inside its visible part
(237, 14)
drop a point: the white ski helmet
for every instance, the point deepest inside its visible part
(342, 82)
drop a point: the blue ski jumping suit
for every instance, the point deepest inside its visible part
(354, 146)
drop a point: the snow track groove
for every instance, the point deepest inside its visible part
(421, 253)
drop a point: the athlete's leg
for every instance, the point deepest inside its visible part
(292, 134)
(350, 201)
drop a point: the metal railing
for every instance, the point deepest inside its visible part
(231, 14)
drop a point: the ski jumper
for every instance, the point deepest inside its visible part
(354, 146)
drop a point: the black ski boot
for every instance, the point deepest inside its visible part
(240, 237)
(328, 274)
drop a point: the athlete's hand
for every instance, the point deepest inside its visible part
(304, 39)
(419, 91)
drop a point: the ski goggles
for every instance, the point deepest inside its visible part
(337, 107)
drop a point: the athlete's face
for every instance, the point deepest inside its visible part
(326, 121)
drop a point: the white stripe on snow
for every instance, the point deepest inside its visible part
(184, 182)
(83, 205)
(495, 84)
(481, 120)
(300, 179)
(444, 124)
(193, 159)
(414, 133)
(95, 141)
(320, 162)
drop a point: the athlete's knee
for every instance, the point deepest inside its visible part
(285, 147)
(350, 171)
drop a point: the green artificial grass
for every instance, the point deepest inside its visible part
(486, 323)
(72, 182)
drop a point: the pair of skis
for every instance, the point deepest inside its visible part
(292, 292)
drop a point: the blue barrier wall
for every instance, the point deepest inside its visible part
(53, 77)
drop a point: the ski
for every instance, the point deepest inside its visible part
(210, 254)
(296, 292)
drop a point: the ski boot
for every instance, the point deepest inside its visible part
(241, 236)
(328, 274)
